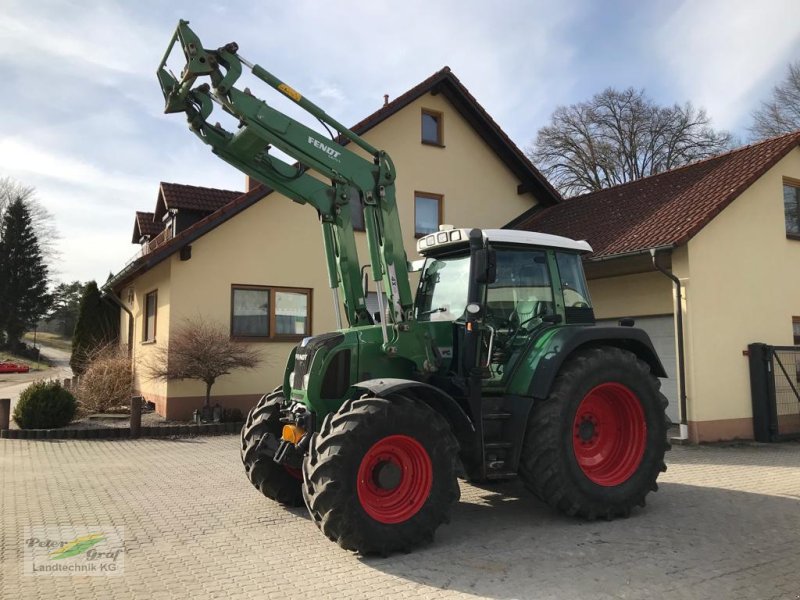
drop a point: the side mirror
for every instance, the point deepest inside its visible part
(486, 265)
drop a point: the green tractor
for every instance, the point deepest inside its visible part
(494, 370)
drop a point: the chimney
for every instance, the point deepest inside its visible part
(385, 99)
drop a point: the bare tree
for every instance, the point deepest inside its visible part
(202, 350)
(620, 136)
(781, 113)
(43, 221)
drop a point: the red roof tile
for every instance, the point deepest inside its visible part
(191, 197)
(145, 225)
(662, 210)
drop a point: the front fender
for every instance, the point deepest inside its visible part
(287, 387)
(535, 373)
(438, 400)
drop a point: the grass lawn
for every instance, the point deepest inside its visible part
(53, 340)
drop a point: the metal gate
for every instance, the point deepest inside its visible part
(775, 389)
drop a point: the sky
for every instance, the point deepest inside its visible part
(81, 116)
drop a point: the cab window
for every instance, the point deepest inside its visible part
(573, 283)
(442, 294)
(522, 290)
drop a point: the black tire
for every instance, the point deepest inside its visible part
(339, 500)
(259, 440)
(550, 465)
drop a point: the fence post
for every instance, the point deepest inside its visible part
(760, 391)
(5, 412)
(136, 416)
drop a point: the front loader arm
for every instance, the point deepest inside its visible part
(350, 176)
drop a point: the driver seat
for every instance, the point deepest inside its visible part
(526, 310)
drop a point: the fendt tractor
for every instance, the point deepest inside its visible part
(495, 370)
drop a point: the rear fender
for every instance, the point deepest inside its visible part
(440, 401)
(535, 374)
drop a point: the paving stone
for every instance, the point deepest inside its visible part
(725, 524)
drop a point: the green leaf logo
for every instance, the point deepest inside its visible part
(77, 546)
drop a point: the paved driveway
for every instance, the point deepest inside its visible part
(725, 524)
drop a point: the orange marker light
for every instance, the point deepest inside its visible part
(292, 433)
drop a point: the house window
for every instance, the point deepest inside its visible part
(432, 127)
(796, 330)
(260, 313)
(150, 309)
(427, 213)
(791, 209)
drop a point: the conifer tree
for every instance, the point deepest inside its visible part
(23, 274)
(97, 326)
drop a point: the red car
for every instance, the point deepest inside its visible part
(10, 367)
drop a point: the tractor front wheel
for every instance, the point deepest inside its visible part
(260, 438)
(595, 447)
(380, 475)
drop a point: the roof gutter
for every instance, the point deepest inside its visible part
(684, 426)
(643, 252)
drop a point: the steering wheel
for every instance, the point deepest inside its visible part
(578, 302)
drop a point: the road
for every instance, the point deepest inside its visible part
(11, 385)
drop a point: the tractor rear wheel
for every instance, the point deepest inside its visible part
(260, 438)
(380, 474)
(595, 447)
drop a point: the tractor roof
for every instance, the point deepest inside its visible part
(451, 238)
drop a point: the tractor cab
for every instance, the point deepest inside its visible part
(530, 280)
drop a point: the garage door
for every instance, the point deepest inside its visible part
(662, 332)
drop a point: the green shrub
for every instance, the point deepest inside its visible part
(44, 405)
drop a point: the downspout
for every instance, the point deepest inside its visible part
(113, 297)
(684, 426)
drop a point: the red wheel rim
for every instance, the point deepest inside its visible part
(394, 479)
(609, 434)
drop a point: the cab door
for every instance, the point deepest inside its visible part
(515, 303)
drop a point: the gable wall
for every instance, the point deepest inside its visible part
(743, 288)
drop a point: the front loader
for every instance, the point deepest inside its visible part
(495, 368)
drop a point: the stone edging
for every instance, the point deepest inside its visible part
(108, 433)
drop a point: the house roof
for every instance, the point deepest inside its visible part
(443, 81)
(145, 225)
(191, 197)
(664, 210)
